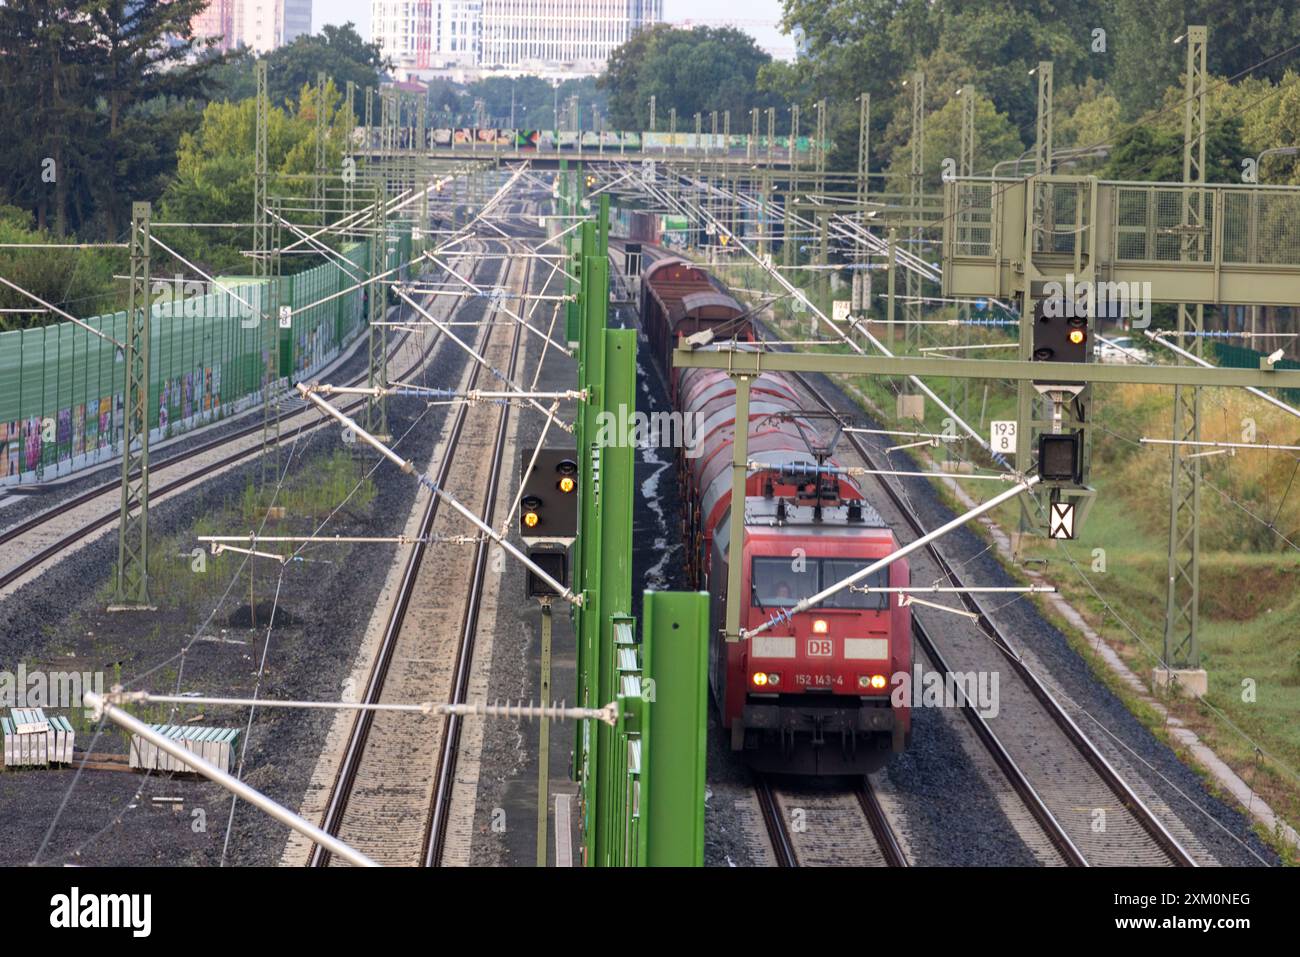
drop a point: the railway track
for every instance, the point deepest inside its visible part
(199, 454)
(823, 823)
(1068, 781)
(389, 799)
(1081, 805)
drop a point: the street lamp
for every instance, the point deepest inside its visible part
(1274, 151)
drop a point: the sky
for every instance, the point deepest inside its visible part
(758, 18)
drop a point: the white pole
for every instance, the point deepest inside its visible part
(804, 604)
(227, 781)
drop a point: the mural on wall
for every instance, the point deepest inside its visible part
(11, 445)
(188, 396)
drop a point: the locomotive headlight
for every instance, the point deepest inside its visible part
(773, 680)
(567, 484)
(760, 678)
(819, 626)
(878, 682)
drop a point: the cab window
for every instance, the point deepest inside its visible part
(777, 584)
(837, 569)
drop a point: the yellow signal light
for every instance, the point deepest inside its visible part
(567, 484)
(531, 519)
(1076, 336)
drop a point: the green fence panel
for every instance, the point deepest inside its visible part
(1238, 357)
(61, 386)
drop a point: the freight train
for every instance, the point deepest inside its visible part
(812, 695)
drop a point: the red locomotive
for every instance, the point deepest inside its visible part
(812, 695)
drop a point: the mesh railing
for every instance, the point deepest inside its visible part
(974, 218)
(1163, 224)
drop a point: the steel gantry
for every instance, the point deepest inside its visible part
(132, 588)
(1182, 601)
(915, 198)
(264, 268)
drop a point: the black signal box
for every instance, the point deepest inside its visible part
(554, 560)
(1060, 457)
(548, 508)
(1060, 332)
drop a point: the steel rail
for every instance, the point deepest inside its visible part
(345, 779)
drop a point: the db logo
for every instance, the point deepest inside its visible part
(819, 647)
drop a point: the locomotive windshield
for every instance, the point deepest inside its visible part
(838, 569)
(781, 582)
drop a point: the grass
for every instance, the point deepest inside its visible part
(1249, 517)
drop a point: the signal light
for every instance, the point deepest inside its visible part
(1060, 458)
(549, 499)
(1060, 334)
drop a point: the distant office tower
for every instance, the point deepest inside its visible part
(217, 21)
(297, 20)
(560, 36)
(261, 25)
(424, 36)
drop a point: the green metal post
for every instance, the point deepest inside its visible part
(602, 558)
(617, 496)
(544, 738)
(675, 658)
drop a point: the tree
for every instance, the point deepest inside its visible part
(1145, 153)
(215, 167)
(338, 51)
(83, 80)
(1243, 40)
(995, 139)
(694, 71)
(77, 281)
(849, 47)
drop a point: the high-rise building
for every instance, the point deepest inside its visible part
(422, 37)
(560, 36)
(261, 25)
(296, 21)
(549, 37)
(217, 21)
